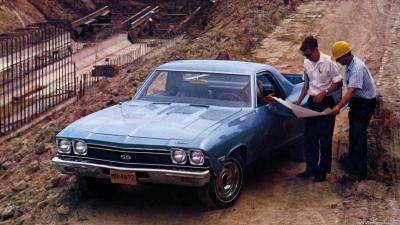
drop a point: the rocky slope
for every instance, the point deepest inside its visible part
(18, 13)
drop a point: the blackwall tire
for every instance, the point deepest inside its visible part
(224, 190)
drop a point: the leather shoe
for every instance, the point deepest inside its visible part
(305, 174)
(320, 177)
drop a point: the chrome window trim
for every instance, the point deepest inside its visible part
(206, 71)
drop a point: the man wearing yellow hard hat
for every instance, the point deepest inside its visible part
(361, 96)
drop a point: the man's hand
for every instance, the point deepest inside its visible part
(319, 97)
(297, 102)
(336, 110)
(269, 98)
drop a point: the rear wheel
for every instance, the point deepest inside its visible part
(96, 187)
(224, 190)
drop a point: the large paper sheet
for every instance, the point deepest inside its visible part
(300, 111)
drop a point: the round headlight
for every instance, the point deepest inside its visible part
(178, 156)
(64, 146)
(80, 148)
(196, 157)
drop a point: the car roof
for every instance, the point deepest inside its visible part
(217, 66)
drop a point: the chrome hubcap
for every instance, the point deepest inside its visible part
(228, 181)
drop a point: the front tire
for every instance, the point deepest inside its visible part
(224, 190)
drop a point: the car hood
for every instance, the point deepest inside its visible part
(154, 120)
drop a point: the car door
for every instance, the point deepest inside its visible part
(293, 126)
(270, 128)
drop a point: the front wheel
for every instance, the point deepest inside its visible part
(224, 190)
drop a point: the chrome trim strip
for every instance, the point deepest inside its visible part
(143, 164)
(205, 71)
(59, 162)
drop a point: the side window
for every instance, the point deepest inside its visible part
(265, 89)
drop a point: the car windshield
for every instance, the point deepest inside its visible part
(198, 88)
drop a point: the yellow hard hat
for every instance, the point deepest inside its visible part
(340, 49)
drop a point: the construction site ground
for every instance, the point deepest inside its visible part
(32, 192)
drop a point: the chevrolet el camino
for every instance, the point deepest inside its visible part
(197, 123)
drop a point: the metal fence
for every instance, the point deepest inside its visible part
(36, 73)
(143, 48)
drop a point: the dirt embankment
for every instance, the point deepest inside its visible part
(18, 13)
(385, 154)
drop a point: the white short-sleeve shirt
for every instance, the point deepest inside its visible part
(320, 75)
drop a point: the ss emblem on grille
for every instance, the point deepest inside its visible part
(126, 158)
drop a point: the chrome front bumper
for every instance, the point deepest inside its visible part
(162, 176)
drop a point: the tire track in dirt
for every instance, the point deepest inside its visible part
(386, 79)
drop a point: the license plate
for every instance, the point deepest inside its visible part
(123, 177)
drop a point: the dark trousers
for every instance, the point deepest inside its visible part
(318, 137)
(360, 114)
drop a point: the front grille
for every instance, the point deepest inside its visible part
(132, 157)
(129, 155)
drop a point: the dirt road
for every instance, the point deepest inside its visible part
(273, 195)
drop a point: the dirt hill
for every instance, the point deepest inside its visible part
(18, 13)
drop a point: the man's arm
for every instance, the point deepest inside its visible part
(319, 97)
(346, 98)
(304, 90)
(302, 95)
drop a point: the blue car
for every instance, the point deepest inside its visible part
(197, 123)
